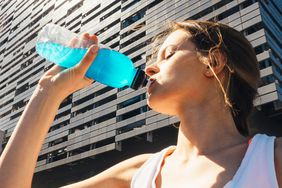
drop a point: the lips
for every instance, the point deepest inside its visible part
(151, 84)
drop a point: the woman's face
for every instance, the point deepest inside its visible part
(179, 76)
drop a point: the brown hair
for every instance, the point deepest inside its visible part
(243, 74)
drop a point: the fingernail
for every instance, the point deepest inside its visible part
(93, 48)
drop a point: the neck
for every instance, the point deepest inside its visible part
(206, 132)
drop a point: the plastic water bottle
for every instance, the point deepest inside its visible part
(66, 49)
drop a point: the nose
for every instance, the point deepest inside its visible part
(152, 69)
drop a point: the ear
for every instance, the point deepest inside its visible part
(216, 63)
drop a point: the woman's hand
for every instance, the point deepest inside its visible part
(62, 82)
(18, 160)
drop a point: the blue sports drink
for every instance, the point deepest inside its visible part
(109, 67)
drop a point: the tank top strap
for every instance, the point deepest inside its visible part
(147, 173)
(257, 168)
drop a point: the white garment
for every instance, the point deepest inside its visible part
(257, 168)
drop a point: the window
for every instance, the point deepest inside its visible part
(110, 13)
(265, 12)
(62, 114)
(246, 4)
(133, 18)
(75, 25)
(57, 155)
(129, 5)
(133, 39)
(7, 102)
(227, 13)
(19, 105)
(108, 27)
(58, 126)
(129, 114)
(138, 57)
(7, 93)
(275, 5)
(209, 10)
(105, 142)
(99, 13)
(267, 80)
(66, 101)
(58, 141)
(105, 100)
(16, 115)
(131, 101)
(80, 150)
(92, 10)
(47, 11)
(82, 110)
(81, 127)
(261, 48)
(137, 47)
(28, 72)
(110, 38)
(102, 91)
(74, 8)
(105, 117)
(68, 23)
(91, 96)
(131, 126)
(5, 114)
(22, 89)
(37, 4)
(42, 157)
(136, 28)
(84, 99)
(61, 20)
(254, 28)
(114, 45)
(60, 4)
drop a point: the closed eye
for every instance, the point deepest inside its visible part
(169, 55)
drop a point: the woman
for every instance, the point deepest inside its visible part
(206, 74)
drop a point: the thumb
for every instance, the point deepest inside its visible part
(87, 60)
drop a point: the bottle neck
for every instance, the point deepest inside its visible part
(140, 79)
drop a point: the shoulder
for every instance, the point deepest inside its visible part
(119, 175)
(278, 159)
(125, 170)
(132, 164)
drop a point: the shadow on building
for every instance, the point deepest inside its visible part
(86, 168)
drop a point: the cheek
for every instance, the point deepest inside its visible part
(168, 92)
(162, 103)
(178, 82)
(179, 78)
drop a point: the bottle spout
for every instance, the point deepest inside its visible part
(140, 80)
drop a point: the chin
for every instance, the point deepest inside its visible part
(160, 106)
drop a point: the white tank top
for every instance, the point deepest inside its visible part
(257, 168)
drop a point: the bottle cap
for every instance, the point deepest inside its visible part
(140, 80)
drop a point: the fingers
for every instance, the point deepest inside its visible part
(85, 41)
(73, 43)
(89, 57)
(94, 38)
(86, 35)
(88, 40)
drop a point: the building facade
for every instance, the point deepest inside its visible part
(103, 121)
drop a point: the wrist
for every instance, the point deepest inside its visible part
(48, 93)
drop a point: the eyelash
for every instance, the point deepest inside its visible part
(170, 54)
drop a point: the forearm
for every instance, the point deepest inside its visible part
(18, 160)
